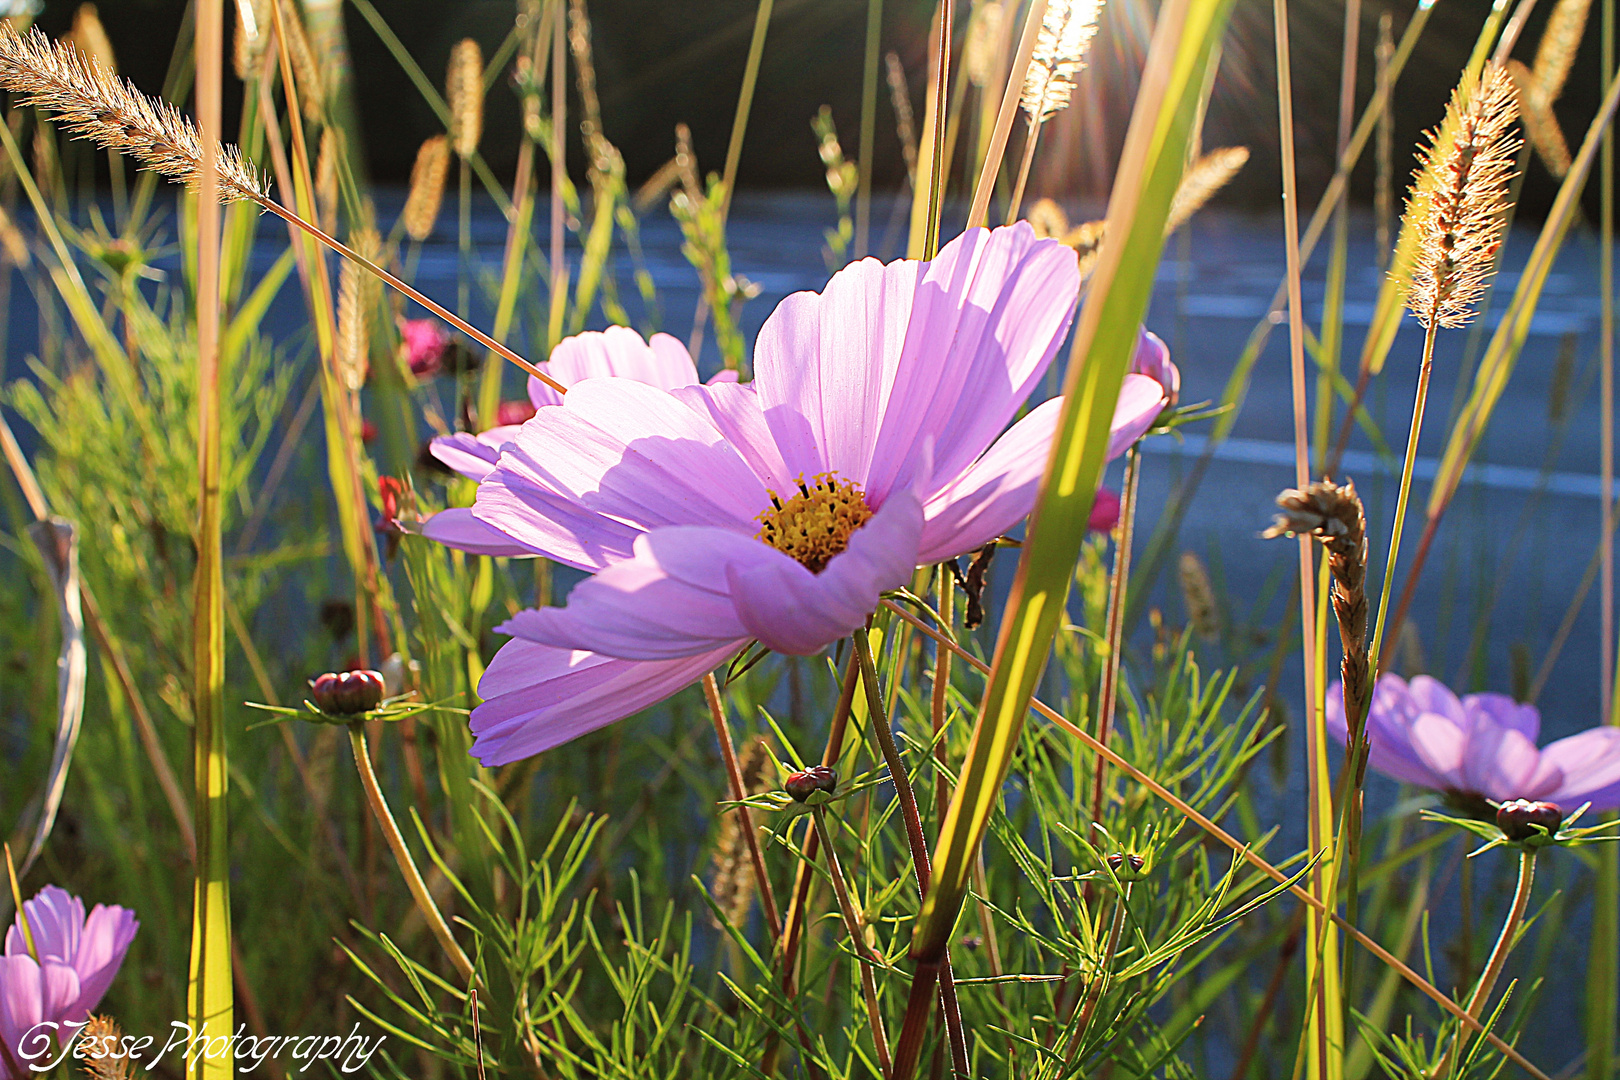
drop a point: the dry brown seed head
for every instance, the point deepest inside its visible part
(99, 1047)
(980, 51)
(1198, 595)
(95, 104)
(1459, 197)
(904, 121)
(1203, 179)
(326, 180)
(1560, 41)
(311, 87)
(253, 21)
(1540, 122)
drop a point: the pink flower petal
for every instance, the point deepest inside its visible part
(630, 451)
(989, 315)
(107, 935)
(1441, 747)
(794, 611)
(1390, 750)
(823, 363)
(1500, 763)
(1432, 696)
(617, 351)
(995, 494)
(1141, 400)
(473, 456)
(733, 408)
(459, 529)
(1590, 763)
(538, 697)
(56, 918)
(1502, 711)
(1153, 360)
(671, 599)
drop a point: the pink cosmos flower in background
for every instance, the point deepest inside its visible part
(1481, 746)
(1104, 511)
(424, 342)
(1153, 360)
(874, 438)
(78, 957)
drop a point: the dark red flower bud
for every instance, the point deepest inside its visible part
(1118, 861)
(389, 491)
(1518, 819)
(368, 432)
(514, 412)
(347, 693)
(801, 785)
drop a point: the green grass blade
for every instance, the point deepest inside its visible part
(1150, 169)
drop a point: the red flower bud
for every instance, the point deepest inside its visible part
(1518, 819)
(513, 412)
(801, 785)
(347, 693)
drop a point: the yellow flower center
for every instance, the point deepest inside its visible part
(815, 524)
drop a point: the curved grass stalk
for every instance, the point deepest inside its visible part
(402, 856)
(1498, 957)
(739, 792)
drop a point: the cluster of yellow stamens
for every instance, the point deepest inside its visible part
(815, 524)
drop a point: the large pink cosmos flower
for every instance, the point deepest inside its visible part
(1482, 746)
(873, 439)
(78, 958)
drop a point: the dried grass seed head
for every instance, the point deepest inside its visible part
(464, 93)
(1202, 180)
(1458, 199)
(427, 187)
(94, 104)
(307, 74)
(1060, 50)
(1560, 41)
(1540, 122)
(252, 32)
(982, 49)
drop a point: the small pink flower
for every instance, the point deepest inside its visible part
(513, 412)
(1104, 511)
(873, 439)
(1153, 360)
(424, 342)
(1481, 745)
(78, 957)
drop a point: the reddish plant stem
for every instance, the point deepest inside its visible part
(745, 820)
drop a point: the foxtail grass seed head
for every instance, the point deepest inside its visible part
(100, 1046)
(1202, 180)
(252, 32)
(1060, 53)
(905, 124)
(307, 74)
(1198, 595)
(90, 38)
(1560, 41)
(13, 246)
(732, 883)
(1048, 220)
(94, 104)
(326, 180)
(353, 325)
(1459, 197)
(981, 51)
(464, 92)
(427, 187)
(1540, 122)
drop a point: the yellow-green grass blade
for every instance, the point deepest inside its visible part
(1105, 339)
(1502, 354)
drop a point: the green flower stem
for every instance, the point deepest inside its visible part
(857, 936)
(402, 856)
(911, 1033)
(1499, 955)
(1099, 978)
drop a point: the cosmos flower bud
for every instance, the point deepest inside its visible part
(347, 693)
(1518, 819)
(1126, 866)
(801, 785)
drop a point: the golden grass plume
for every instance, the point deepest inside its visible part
(979, 52)
(311, 87)
(252, 33)
(94, 104)
(905, 122)
(427, 187)
(1202, 180)
(13, 247)
(1060, 52)
(1198, 596)
(357, 296)
(732, 883)
(326, 180)
(99, 1047)
(1540, 123)
(1458, 199)
(464, 93)
(1560, 41)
